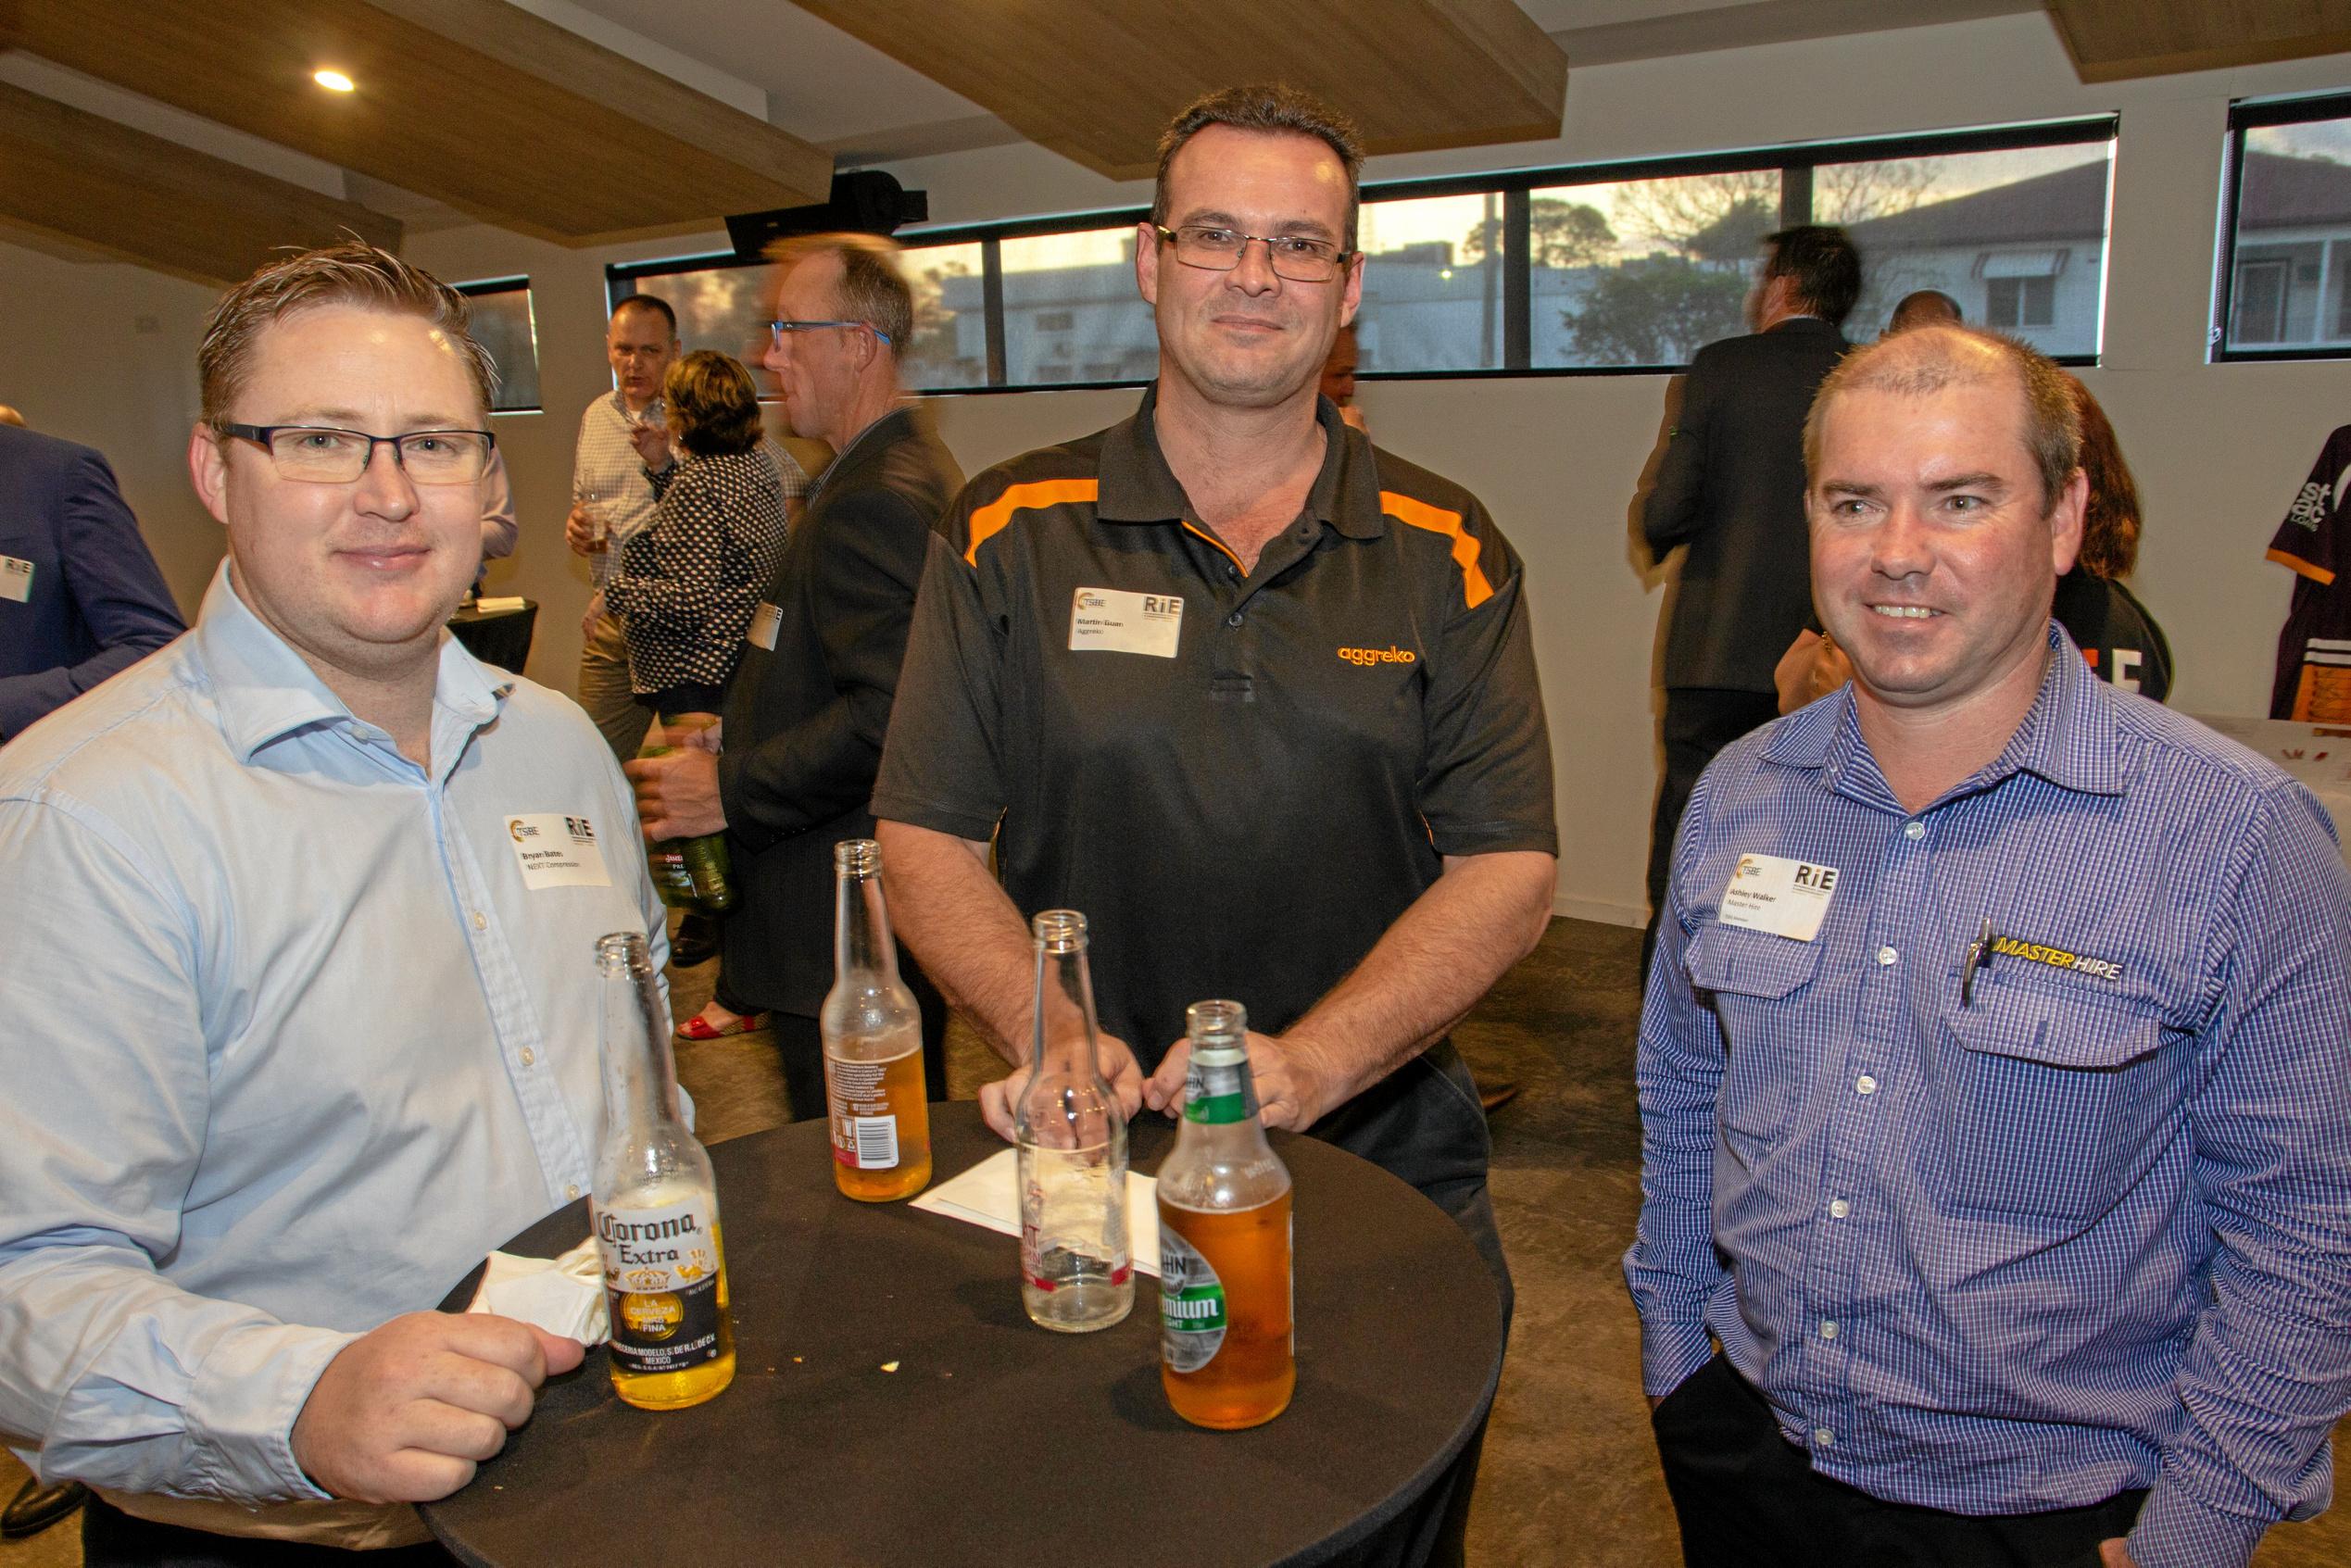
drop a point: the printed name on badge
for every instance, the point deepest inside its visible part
(555, 850)
(16, 578)
(1772, 893)
(1109, 620)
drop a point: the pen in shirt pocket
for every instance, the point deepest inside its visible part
(1977, 956)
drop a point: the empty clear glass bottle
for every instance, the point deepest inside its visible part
(654, 1203)
(1076, 1275)
(872, 1034)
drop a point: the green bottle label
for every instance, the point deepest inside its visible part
(1192, 1303)
(1231, 1107)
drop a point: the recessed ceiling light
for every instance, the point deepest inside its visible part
(333, 81)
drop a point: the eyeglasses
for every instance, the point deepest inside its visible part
(1218, 249)
(780, 328)
(318, 455)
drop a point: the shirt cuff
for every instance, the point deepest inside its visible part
(1671, 1354)
(242, 1405)
(2175, 1531)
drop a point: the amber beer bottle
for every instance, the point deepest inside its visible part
(872, 1033)
(1226, 1352)
(654, 1206)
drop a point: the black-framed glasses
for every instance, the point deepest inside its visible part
(779, 328)
(1216, 248)
(321, 454)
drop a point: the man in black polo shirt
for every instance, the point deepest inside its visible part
(1256, 697)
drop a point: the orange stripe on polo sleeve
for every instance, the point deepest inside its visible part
(1436, 520)
(2314, 572)
(994, 518)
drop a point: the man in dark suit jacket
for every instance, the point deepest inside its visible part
(79, 595)
(810, 700)
(1732, 488)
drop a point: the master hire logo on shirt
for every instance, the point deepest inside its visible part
(2055, 957)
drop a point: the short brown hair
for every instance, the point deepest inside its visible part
(354, 274)
(2110, 521)
(872, 289)
(1270, 106)
(714, 408)
(1927, 360)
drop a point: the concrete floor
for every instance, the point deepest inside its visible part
(1570, 1475)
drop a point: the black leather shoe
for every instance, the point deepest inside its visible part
(696, 942)
(36, 1507)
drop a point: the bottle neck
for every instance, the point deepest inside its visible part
(640, 1078)
(861, 940)
(1064, 1037)
(1219, 1089)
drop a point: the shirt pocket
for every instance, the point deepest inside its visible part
(2051, 1096)
(1755, 982)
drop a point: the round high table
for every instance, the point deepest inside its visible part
(892, 1403)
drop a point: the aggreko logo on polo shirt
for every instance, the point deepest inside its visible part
(1391, 654)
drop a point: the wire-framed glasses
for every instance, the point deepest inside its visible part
(1299, 258)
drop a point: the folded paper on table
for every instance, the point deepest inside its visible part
(500, 605)
(564, 1296)
(988, 1195)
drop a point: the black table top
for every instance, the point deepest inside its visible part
(993, 1440)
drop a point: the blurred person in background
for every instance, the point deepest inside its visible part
(81, 597)
(1926, 307)
(812, 700)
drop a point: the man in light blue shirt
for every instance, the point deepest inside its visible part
(1995, 1072)
(298, 1020)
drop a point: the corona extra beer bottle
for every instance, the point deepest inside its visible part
(872, 1033)
(1076, 1275)
(654, 1206)
(1227, 1357)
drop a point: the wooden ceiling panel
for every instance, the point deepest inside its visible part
(89, 181)
(1096, 80)
(482, 105)
(2114, 40)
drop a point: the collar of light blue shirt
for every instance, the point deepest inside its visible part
(264, 691)
(2068, 736)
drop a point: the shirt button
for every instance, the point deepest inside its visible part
(1839, 1208)
(1914, 831)
(1886, 955)
(1823, 1437)
(1828, 1330)
(1234, 618)
(529, 1056)
(480, 921)
(1864, 1085)
(572, 1191)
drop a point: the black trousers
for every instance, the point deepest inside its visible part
(1699, 722)
(1747, 1498)
(111, 1538)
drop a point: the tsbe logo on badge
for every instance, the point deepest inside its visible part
(556, 850)
(1111, 621)
(1771, 893)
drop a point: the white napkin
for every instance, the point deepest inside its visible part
(562, 1295)
(499, 606)
(988, 1195)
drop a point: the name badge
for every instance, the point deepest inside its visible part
(765, 620)
(1771, 893)
(16, 578)
(555, 850)
(1107, 621)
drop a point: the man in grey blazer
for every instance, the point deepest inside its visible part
(1731, 487)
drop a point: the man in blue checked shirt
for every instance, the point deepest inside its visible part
(1996, 1068)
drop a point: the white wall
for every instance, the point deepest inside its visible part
(2219, 450)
